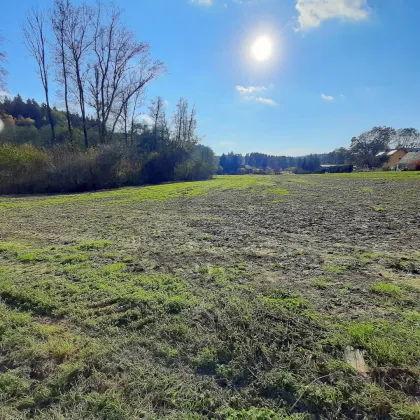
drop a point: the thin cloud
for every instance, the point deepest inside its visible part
(202, 2)
(327, 97)
(313, 12)
(267, 101)
(248, 90)
(226, 143)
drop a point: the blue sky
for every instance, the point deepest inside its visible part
(338, 67)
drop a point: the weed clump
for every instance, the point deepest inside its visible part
(93, 245)
(387, 289)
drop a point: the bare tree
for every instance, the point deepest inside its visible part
(36, 43)
(192, 125)
(121, 68)
(78, 39)
(59, 16)
(157, 109)
(185, 123)
(129, 114)
(137, 101)
(161, 129)
(180, 120)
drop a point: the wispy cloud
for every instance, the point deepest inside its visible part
(202, 2)
(248, 90)
(327, 97)
(247, 94)
(226, 143)
(313, 12)
(266, 101)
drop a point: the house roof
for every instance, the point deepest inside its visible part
(391, 152)
(410, 158)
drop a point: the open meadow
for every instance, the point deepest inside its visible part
(242, 297)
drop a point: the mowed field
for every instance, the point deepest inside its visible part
(242, 297)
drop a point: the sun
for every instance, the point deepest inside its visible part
(262, 48)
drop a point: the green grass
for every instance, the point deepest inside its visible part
(387, 289)
(210, 300)
(321, 284)
(93, 245)
(27, 257)
(336, 269)
(153, 193)
(387, 343)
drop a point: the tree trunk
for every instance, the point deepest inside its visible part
(82, 102)
(66, 94)
(50, 118)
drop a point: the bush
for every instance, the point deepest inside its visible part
(25, 169)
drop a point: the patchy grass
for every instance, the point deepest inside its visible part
(387, 289)
(212, 300)
(93, 245)
(320, 283)
(387, 343)
(336, 269)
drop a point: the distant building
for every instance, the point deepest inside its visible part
(408, 160)
(393, 157)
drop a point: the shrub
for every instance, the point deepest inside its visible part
(25, 169)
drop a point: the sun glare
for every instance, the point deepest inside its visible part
(262, 48)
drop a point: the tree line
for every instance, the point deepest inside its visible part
(233, 163)
(98, 139)
(363, 153)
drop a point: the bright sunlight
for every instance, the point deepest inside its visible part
(262, 48)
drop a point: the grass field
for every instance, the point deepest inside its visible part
(235, 298)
